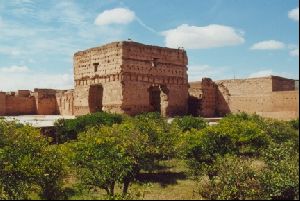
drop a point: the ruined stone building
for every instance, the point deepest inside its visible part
(271, 96)
(39, 102)
(131, 78)
(122, 77)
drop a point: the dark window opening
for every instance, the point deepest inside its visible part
(95, 66)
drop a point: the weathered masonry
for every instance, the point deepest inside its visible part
(272, 96)
(39, 102)
(129, 77)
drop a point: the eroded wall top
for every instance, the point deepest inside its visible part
(97, 62)
(154, 60)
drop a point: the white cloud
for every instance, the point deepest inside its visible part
(294, 14)
(115, 16)
(295, 52)
(14, 69)
(193, 37)
(268, 45)
(269, 72)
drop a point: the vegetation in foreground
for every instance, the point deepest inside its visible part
(108, 156)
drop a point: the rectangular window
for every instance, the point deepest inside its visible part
(95, 66)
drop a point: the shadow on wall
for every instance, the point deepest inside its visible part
(214, 103)
(223, 100)
(158, 99)
(194, 104)
(95, 98)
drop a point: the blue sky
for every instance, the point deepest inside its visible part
(223, 38)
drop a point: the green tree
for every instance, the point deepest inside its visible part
(68, 129)
(187, 123)
(234, 180)
(105, 156)
(28, 163)
(162, 138)
(280, 180)
(294, 123)
(280, 131)
(230, 136)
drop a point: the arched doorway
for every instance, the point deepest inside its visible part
(95, 98)
(158, 99)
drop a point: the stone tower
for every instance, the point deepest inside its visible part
(131, 78)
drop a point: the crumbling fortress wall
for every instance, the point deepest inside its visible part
(39, 102)
(129, 77)
(65, 102)
(272, 96)
(154, 79)
(2, 103)
(45, 101)
(203, 98)
(97, 74)
(20, 102)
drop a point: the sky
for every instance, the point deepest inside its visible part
(224, 39)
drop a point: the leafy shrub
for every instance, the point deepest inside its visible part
(239, 117)
(28, 163)
(295, 123)
(203, 147)
(105, 156)
(234, 180)
(247, 134)
(233, 135)
(68, 129)
(280, 180)
(187, 123)
(161, 137)
(280, 131)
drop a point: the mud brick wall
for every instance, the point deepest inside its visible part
(248, 86)
(280, 105)
(203, 98)
(282, 84)
(123, 72)
(45, 101)
(271, 96)
(16, 105)
(97, 71)
(146, 66)
(65, 102)
(2, 103)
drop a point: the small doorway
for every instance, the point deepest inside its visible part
(154, 98)
(158, 99)
(95, 98)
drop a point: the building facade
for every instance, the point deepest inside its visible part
(272, 96)
(131, 78)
